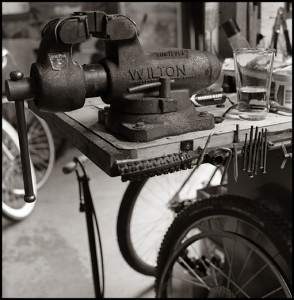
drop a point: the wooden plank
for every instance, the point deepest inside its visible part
(81, 127)
(96, 149)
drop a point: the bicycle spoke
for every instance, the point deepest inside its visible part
(256, 274)
(235, 284)
(195, 274)
(190, 281)
(7, 152)
(245, 264)
(150, 202)
(204, 265)
(272, 292)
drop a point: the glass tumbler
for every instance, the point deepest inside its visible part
(253, 73)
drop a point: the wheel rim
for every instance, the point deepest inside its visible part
(41, 147)
(219, 264)
(152, 214)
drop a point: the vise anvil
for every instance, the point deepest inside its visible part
(148, 92)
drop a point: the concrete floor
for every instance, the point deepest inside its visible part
(47, 254)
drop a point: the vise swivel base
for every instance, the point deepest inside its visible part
(171, 116)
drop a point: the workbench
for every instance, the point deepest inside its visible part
(82, 130)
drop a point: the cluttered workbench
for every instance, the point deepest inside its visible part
(131, 114)
(82, 129)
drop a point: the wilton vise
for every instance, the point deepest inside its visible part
(148, 92)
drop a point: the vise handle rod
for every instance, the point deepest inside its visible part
(23, 138)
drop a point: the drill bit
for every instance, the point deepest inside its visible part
(245, 153)
(235, 162)
(235, 141)
(254, 151)
(250, 150)
(261, 150)
(257, 153)
(265, 151)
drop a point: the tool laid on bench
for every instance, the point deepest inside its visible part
(148, 93)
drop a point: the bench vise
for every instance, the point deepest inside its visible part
(148, 92)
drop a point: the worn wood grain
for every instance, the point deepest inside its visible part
(81, 127)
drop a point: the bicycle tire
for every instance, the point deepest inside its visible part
(246, 219)
(13, 205)
(137, 196)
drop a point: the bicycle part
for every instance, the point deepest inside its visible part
(41, 143)
(201, 268)
(13, 205)
(148, 208)
(242, 234)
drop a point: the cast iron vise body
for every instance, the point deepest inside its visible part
(148, 92)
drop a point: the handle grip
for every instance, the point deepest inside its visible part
(29, 196)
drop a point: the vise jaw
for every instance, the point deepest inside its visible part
(148, 92)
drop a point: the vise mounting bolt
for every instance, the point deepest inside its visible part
(148, 92)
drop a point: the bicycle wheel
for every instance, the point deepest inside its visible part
(226, 247)
(40, 140)
(13, 204)
(148, 208)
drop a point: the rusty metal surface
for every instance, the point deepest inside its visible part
(153, 87)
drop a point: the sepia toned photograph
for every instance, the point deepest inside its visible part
(147, 150)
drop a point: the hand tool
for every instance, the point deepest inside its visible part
(148, 92)
(286, 155)
(257, 153)
(280, 21)
(254, 151)
(262, 150)
(274, 107)
(265, 146)
(250, 150)
(245, 150)
(236, 140)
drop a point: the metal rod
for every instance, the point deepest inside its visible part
(91, 236)
(265, 151)
(250, 150)
(254, 151)
(235, 162)
(261, 151)
(199, 161)
(24, 152)
(227, 163)
(245, 153)
(257, 153)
